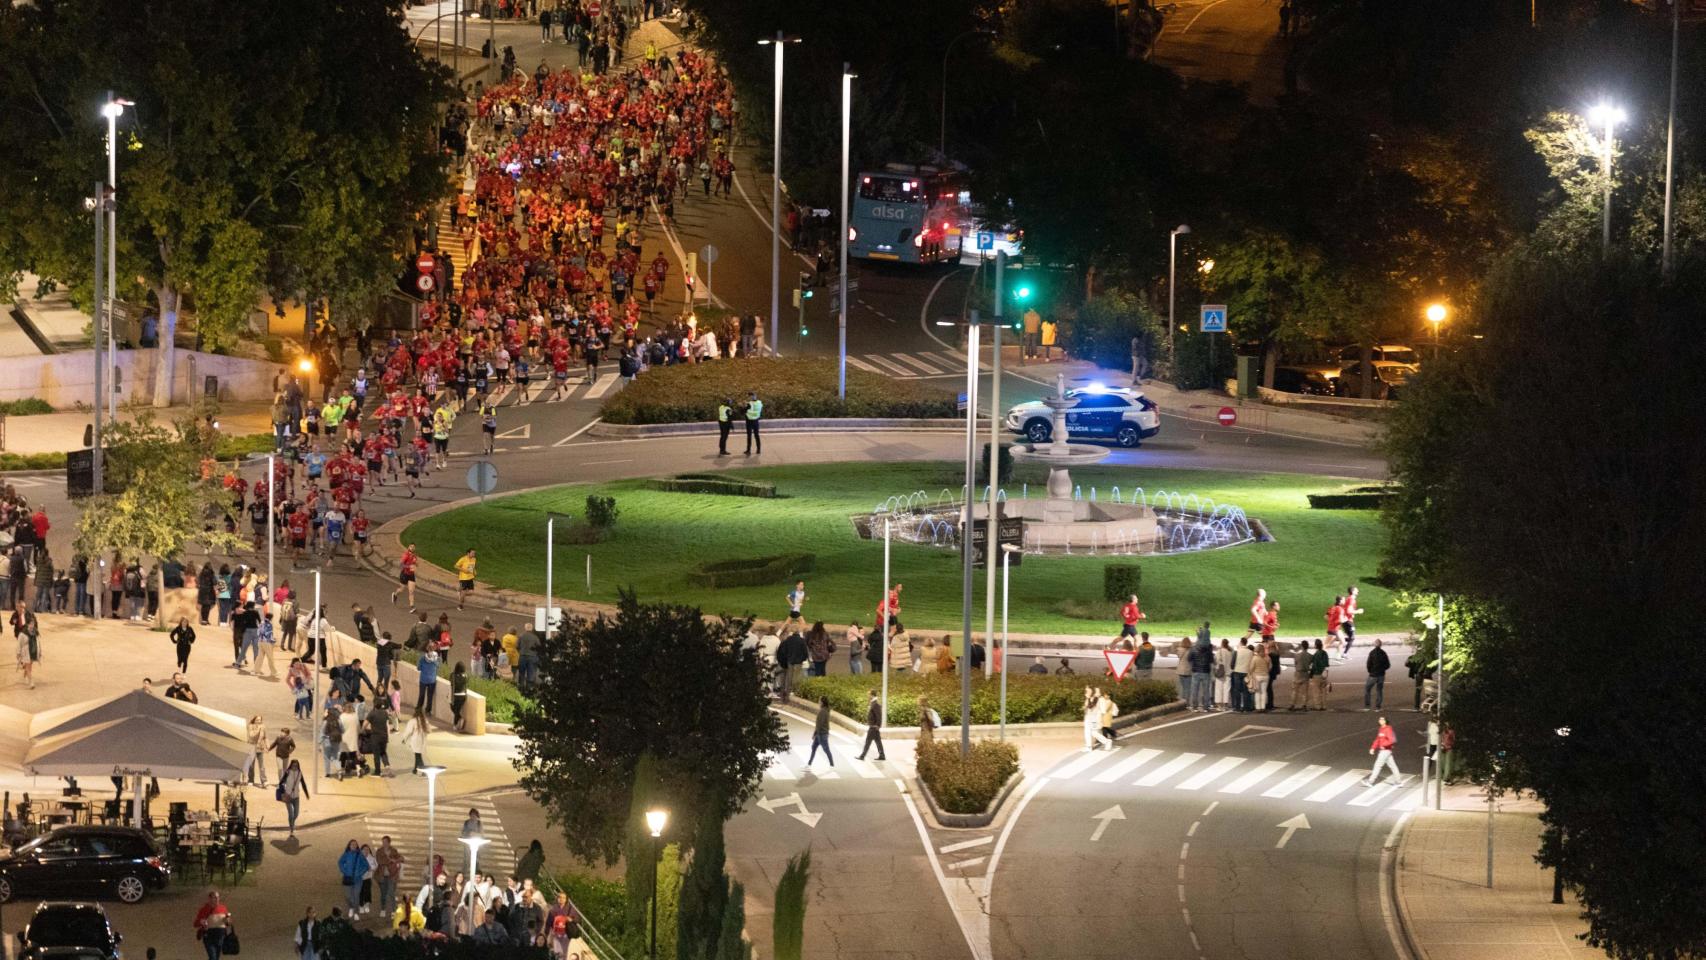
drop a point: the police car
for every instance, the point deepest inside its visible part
(1121, 414)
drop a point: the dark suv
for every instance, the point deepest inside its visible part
(68, 930)
(85, 862)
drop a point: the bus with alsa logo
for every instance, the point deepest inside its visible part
(908, 214)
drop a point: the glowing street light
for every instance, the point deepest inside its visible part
(656, 820)
(431, 772)
(474, 845)
(1608, 116)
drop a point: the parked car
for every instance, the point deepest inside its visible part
(1303, 380)
(1392, 352)
(84, 862)
(1121, 414)
(68, 930)
(1389, 378)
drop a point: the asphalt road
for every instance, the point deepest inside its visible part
(1226, 41)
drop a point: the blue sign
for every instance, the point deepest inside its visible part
(1214, 318)
(985, 240)
(962, 402)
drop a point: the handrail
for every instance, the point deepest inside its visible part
(602, 948)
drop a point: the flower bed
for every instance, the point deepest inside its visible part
(966, 784)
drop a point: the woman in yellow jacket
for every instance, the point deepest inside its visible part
(927, 661)
(944, 656)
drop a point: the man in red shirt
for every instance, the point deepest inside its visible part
(1130, 614)
(1381, 750)
(298, 525)
(406, 575)
(39, 521)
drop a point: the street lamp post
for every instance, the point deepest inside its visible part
(847, 76)
(112, 110)
(1436, 314)
(655, 821)
(778, 42)
(1172, 286)
(883, 618)
(966, 522)
(1670, 133)
(474, 844)
(272, 498)
(1007, 551)
(942, 144)
(990, 539)
(316, 628)
(431, 772)
(98, 484)
(1609, 117)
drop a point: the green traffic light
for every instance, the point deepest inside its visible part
(1022, 292)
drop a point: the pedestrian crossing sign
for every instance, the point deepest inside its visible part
(1214, 318)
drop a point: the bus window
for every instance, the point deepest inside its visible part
(890, 189)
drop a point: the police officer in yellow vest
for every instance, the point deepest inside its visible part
(754, 413)
(725, 413)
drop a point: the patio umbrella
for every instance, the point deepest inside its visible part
(135, 703)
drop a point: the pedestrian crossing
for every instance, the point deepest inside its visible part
(1237, 776)
(407, 826)
(918, 365)
(577, 387)
(791, 765)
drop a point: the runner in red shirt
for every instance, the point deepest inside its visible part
(1130, 614)
(406, 575)
(358, 530)
(298, 524)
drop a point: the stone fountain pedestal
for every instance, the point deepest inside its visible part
(1061, 523)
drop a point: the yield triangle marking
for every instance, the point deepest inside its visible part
(1119, 661)
(1251, 730)
(523, 432)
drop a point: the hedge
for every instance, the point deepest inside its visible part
(966, 784)
(1356, 498)
(752, 572)
(789, 386)
(28, 406)
(1031, 698)
(1120, 581)
(713, 484)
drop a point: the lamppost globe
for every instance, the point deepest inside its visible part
(474, 844)
(1605, 114)
(656, 820)
(1436, 313)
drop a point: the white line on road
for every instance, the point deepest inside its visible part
(1084, 762)
(1213, 772)
(978, 951)
(915, 362)
(1374, 795)
(1126, 766)
(966, 844)
(862, 365)
(966, 864)
(601, 387)
(1204, 10)
(1338, 785)
(594, 463)
(1006, 831)
(1295, 782)
(577, 432)
(1388, 850)
(1211, 808)
(1169, 769)
(1254, 777)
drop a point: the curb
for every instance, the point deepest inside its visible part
(966, 821)
(1406, 925)
(634, 431)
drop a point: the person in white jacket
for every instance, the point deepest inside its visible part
(1223, 662)
(415, 735)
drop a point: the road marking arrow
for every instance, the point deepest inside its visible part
(793, 799)
(1112, 813)
(1251, 730)
(523, 432)
(1299, 822)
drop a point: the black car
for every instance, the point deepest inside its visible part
(68, 930)
(1302, 380)
(83, 862)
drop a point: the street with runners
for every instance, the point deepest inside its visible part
(605, 479)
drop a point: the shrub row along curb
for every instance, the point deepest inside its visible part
(631, 431)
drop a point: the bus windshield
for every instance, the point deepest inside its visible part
(891, 189)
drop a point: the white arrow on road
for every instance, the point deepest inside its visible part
(1299, 822)
(1112, 813)
(805, 816)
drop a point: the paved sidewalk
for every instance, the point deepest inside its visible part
(1441, 885)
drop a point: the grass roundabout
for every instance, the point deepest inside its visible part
(662, 538)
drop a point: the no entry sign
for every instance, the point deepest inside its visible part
(424, 263)
(1227, 416)
(1119, 661)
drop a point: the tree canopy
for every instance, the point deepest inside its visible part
(271, 147)
(654, 679)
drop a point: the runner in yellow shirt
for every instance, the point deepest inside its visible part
(464, 577)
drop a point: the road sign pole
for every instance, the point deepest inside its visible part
(1006, 575)
(966, 523)
(846, 188)
(990, 543)
(883, 618)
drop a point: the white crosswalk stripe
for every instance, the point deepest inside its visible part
(862, 365)
(1154, 767)
(408, 829)
(916, 365)
(895, 369)
(602, 387)
(909, 360)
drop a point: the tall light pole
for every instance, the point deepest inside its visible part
(847, 76)
(112, 110)
(883, 618)
(1435, 313)
(1609, 117)
(656, 820)
(97, 206)
(431, 772)
(1670, 133)
(990, 539)
(778, 42)
(1007, 551)
(1172, 288)
(966, 522)
(474, 844)
(942, 145)
(316, 628)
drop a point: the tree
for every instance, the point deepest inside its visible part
(161, 504)
(789, 923)
(704, 893)
(611, 690)
(731, 941)
(279, 148)
(1558, 528)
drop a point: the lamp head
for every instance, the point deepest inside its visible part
(113, 109)
(432, 772)
(1181, 229)
(1436, 313)
(656, 820)
(1606, 115)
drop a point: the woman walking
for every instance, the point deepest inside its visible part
(183, 636)
(855, 649)
(28, 632)
(257, 749)
(292, 791)
(458, 695)
(928, 720)
(415, 735)
(428, 693)
(820, 734)
(206, 591)
(351, 866)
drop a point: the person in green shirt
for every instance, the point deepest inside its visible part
(1145, 663)
(1318, 677)
(331, 415)
(754, 413)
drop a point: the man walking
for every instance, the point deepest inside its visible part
(1144, 666)
(873, 728)
(725, 411)
(1381, 750)
(388, 870)
(1378, 664)
(754, 413)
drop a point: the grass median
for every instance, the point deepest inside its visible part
(790, 387)
(661, 539)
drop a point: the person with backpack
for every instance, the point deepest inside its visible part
(331, 736)
(928, 720)
(291, 789)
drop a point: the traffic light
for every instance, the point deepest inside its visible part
(1021, 292)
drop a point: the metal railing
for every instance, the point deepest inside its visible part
(601, 947)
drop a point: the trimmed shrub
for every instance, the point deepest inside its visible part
(24, 407)
(1356, 498)
(1120, 581)
(712, 483)
(752, 572)
(790, 387)
(601, 512)
(966, 784)
(1003, 465)
(1031, 698)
